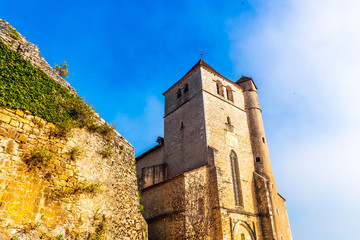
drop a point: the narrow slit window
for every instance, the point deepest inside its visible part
(257, 159)
(236, 179)
(178, 93)
(228, 121)
(186, 88)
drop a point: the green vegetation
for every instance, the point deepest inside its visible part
(15, 238)
(106, 129)
(97, 236)
(39, 157)
(107, 152)
(140, 201)
(31, 226)
(12, 31)
(62, 69)
(23, 86)
(79, 188)
(100, 227)
(75, 235)
(121, 149)
(74, 153)
(60, 237)
(38, 122)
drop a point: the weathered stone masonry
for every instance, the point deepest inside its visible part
(215, 179)
(40, 201)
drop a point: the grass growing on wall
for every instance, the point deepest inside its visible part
(23, 86)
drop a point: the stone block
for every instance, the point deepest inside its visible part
(23, 138)
(72, 179)
(62, 177)
(51, 125)
(33, 141)
(27, 127)
(5, 118)
(3, 132)
(56, 182)
(16, 158)
(14, 123)
(12, 134)
(24, 146)
(69, 173)
(56, 162)
(63, 183)
(19, 112)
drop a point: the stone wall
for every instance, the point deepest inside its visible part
(154, 158)
(184, 207)
(184, 126)
(71, 194)
(82, 186)
(225, 138)
(282, 223)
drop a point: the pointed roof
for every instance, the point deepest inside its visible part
(201, 63)
(245, 79)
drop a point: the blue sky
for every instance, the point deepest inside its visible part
(303, 55)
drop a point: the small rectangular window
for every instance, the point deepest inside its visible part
(186, 88)
(178, 93)
(182, 125)
(257, 159)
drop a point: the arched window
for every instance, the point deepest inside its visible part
(186, 88)
(236, 179)
(219, 88)
(229, 94)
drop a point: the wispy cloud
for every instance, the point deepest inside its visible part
(305, 57)
(143, 129)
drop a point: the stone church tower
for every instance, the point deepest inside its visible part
(210, 176)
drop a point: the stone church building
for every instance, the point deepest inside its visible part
(210, 176)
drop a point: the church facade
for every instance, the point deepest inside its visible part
(210, 177)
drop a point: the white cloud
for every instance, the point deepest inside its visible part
(305, 57)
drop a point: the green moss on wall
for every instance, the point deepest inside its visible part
(23, 86)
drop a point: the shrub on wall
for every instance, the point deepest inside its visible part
(39, 157)
(62, 69)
